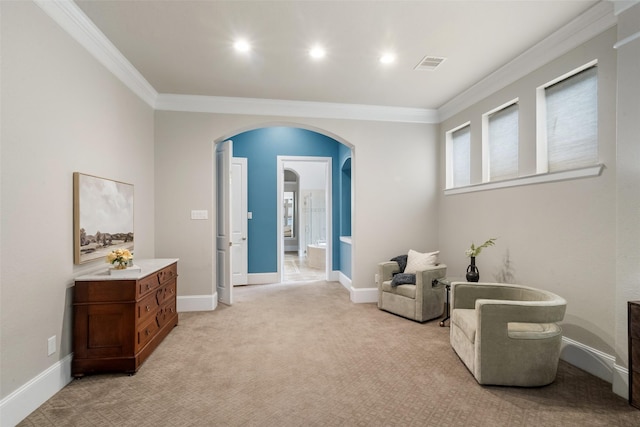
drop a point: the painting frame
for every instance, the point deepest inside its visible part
(103, 217)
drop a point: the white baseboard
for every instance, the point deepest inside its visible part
(357, 295)
(344, 280)
(197, 303)
(19, 404)
(363, 295)
(620, 384)
(597, 363)
(262, 278)
(335, 276)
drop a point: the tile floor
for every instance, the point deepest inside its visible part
(297, 270)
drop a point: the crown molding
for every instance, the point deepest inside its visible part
(620, 6)
(592, 22)
(627, 40)
(275, 107)
(73, 20)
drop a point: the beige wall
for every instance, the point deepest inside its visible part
(61, 112)
(394, 174)
(628, 174)
(559, 236)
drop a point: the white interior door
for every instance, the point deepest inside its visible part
(239, 232)
(224, 284)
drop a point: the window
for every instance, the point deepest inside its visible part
(460, 150)
(501, 143)
(568, 131)
(565, 143)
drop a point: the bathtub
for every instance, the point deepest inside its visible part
(316, 255)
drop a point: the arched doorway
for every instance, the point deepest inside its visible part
(261, 144)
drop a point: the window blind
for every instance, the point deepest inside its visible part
(503, 143)
(572, 121)
(461, 151)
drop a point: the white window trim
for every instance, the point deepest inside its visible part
(486, 167)
(542, 155)
(448, 155)
(589, 171)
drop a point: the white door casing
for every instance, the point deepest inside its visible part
(281, 160)
(239, 232)
(224, 284)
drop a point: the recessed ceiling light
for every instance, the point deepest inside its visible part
(242, 45)
(387, 58)
(317, 52)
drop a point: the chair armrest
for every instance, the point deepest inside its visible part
(428, 275)
(466, 295)
(425, 278)
(503, 311)
(386, 270)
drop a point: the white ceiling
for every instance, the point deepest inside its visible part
(185, 47)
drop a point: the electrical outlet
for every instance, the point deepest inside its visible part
(51, 345)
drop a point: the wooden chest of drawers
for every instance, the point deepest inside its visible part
(119, 321)
(634, 352)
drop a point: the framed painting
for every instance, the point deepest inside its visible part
(102, 217)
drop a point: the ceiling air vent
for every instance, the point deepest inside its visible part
(429, 63)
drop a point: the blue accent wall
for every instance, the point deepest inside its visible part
(345, 259)
(345, 198)
(261, 147)
(344, 154)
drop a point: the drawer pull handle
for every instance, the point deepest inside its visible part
(148, 308)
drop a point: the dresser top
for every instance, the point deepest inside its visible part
(147, 266)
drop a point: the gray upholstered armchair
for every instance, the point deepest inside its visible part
(507, 334)
(419, 302)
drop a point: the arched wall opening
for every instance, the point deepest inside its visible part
(261, 145)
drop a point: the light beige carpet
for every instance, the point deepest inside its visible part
(304, 355)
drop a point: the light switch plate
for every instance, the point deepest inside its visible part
(199, 214)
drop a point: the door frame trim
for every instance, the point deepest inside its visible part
(329, 209)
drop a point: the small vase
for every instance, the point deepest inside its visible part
(120, 266)
(473, 274)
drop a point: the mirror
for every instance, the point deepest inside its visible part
(289, 210)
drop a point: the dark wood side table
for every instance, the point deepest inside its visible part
(633, 319)
(446, 282)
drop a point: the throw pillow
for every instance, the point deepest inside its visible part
(403, 279)
(402, 262)
(417, 261)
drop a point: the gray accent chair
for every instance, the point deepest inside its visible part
(419, 302)
(507, 334)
